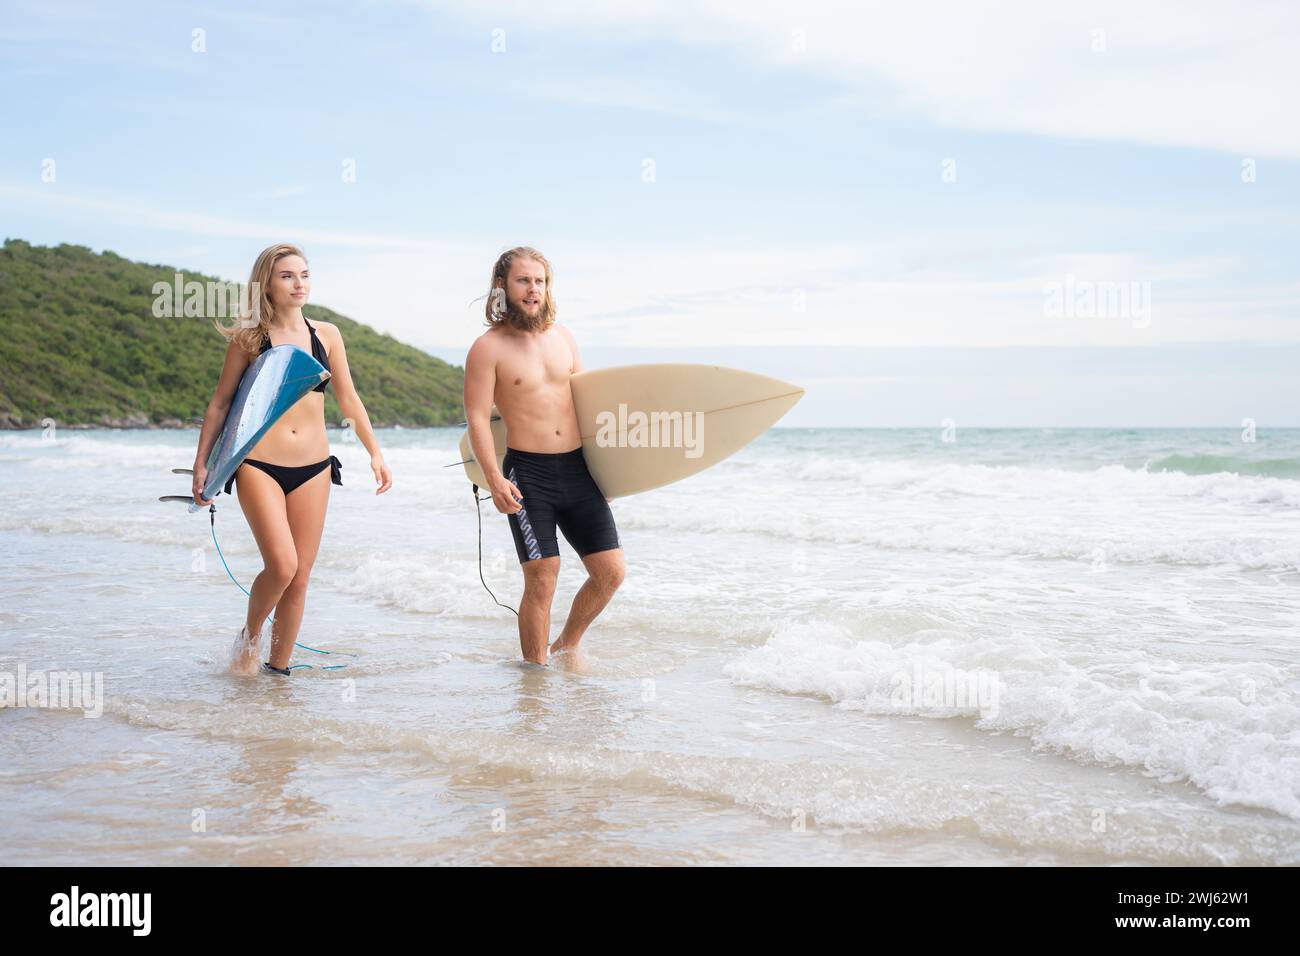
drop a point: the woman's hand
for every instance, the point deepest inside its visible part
(200, 479)
(383, 477)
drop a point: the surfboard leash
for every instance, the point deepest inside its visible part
(478, 507)
(212, 520)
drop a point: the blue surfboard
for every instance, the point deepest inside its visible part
(272, 385)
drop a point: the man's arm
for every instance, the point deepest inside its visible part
(480, 385)
(573, 345)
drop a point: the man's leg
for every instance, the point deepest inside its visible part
(605, 572)
(540, 576)
(533, 530)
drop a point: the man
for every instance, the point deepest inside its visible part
(523, 363)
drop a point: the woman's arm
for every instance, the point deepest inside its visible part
(215, 416)
(354, 412)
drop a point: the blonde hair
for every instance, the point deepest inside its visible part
(256, 311)
(501, 272)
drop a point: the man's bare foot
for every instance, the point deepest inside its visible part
(558, 648)
(244, 654)
(569, 658)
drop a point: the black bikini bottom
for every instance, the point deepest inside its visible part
(289, 477)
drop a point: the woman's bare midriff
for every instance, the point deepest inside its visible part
(299, 437)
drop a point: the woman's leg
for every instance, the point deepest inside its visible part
(263, 504)
(305, 508)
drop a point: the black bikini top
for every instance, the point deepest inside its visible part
(317, 352)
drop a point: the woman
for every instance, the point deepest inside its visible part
(284, 483)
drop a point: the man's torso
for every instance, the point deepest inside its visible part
(532, 390)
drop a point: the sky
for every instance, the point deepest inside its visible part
(1003, 214)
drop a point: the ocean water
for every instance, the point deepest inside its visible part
(838, 646)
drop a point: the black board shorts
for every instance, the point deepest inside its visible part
(558, 491)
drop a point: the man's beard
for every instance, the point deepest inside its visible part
(521, 321)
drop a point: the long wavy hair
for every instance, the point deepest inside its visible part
(256, 312)
(497, 311)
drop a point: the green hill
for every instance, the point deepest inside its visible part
(79, 343)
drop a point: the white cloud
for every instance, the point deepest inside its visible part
(689, 296)
(919, 289)
(1197, 74)
(54, 198)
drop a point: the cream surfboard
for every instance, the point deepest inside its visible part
(646, 426)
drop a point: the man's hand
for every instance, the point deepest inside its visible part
(506, 496)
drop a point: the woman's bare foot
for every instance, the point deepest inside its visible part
(244, 654)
